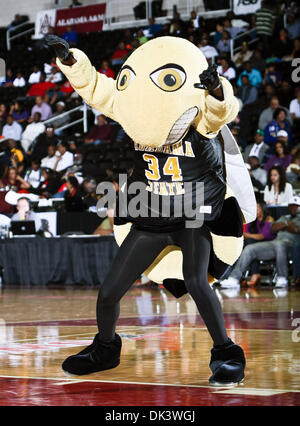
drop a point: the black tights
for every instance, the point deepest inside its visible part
(137, 252)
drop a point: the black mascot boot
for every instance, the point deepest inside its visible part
(98, 356)
(227, 364)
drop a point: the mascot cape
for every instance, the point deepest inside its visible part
(153, 115)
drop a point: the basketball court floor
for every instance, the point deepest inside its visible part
(165, 354)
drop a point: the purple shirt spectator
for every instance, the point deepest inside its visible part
(284, 162)
(262, 228)
(44, 110)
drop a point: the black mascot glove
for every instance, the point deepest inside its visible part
(60, 46)
(209, 79)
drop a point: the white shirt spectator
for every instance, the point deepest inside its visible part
(229, 73)
(30, 133)
(34, 177)
(34, 77)
(209, 51)
(67, 160)
(13, 131)
(283, 198)
(49, 162)
(19, 82)
(255, 149)
(295, 107)
(55, 77)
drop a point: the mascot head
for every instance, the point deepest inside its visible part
(155, 100)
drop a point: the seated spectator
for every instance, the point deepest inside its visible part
(120, 54)
(49, 66)
(12, 179)
(70, 36)
(285, 92)
(99, 133)
(55, 76)
(12, 129)
(19, 81)
(256, 149)
(35, 76)
(284, 46)
(267, 115)
(41, 88)
(207, 50)
(293, 26)
(257, 61)
(39, 148)
(73, 196)
(272, 76)
(105, 69)
(49, 186)
(225, 70)
(247, 93)
(50, 161)
(141, 37)
(64, 158)
(5, 208)
(90, 198)
(257, 174)
(33, 175)
(224, 44)
(24, 213)
(218, 35)
(295, 109)
(277, 190)
(293, 170)
(243, 55)
(3, 114)
(254, 75)
(18, 20)
(16, 155)
(278, 123)
(18, 111)
(296, 48)
(60, 121)
(106, 227)
(32, 131)
(154, 29)
(287, 229)
(41, 107)
(233, 31)
(280, 158)
(9, 79)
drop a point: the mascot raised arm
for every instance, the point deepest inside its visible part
(175, 109)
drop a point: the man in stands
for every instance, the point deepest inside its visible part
(50, 161)
(42, 107)
(12, 129)
(99, 133)
(41, 88)
(32, 131)
(64, 158)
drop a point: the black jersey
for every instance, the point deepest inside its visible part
(172, 172)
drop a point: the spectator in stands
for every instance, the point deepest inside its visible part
(18, 20)
(280, 158)
(40, 147)
(24, 213)
(257, 174)
(278, 123)
(41, 107)
(256, 149)
(293, 26)
(257, 61)
(272, 76)
(225, 70)
(60, 121)
(5, 208)
(35, 76)
(12, 129)
(267, 115)
(233, 31)
(3, 114)
(55, 76)
(50, 161)
(293, 170)
(265, 23)
(41, 88)
(296, 48)
(295, 109)
(277, 190)
(207, 50)
(49, 186)
(12, 179)
(283, 46)
(99, 133)
(70, 36)
(218, 35)
(247, 93)
(9, 79)
(32, 131)
(106, 227)
(224, 44)
(254, 75)
(64, 158)
(154, 29)
(18, 111)
(120, 54)
(16, 155)
(33, 175)
(19, 81)
(243, 55)
(73, 196)
(105, 69)
(287, 229)
(90, 198)
(141, 36)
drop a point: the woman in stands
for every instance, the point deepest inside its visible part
(280, 158)
(277, 190)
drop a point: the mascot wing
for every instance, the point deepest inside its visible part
(96, 89)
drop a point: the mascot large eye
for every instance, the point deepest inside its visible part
(169, 77)
(125, 78)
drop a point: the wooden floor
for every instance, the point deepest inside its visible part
(165, 354)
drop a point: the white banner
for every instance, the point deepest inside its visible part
(245, 7)
(44, 20)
